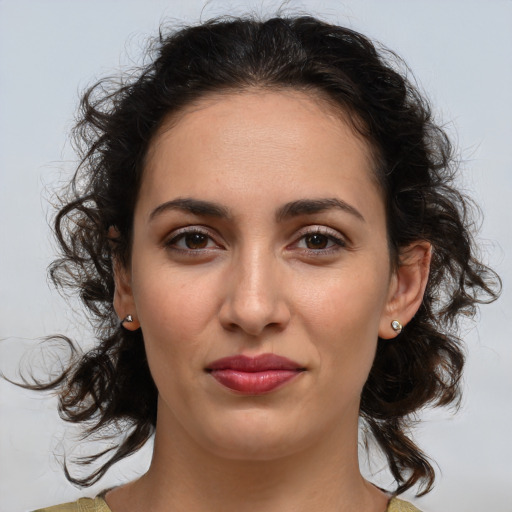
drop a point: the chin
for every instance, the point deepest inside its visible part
(255, 437)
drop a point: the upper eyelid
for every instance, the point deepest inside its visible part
(323, 230)
(193, 228)
(318, 228)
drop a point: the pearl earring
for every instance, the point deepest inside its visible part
(397, 326)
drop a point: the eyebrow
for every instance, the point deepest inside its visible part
(312, 206)
(194, 206)
(292, 209)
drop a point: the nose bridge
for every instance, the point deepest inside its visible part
(255, 299)
(256, 277)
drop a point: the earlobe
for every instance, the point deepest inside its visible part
(124, 303)
(407, 288)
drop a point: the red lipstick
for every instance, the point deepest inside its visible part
(254, 375)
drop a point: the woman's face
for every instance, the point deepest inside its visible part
(260, 273)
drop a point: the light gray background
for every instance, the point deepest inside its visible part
(461, 53)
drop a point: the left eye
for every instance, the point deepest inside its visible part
(319, 242)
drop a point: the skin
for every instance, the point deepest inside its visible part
(317, 288)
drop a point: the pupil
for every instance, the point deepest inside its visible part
(196, 241)
(316, 241)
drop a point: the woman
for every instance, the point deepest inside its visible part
(272, 249)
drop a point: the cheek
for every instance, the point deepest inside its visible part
(173, 317)
(342, 317)
(178, 302)
(347, 302)
(174, 310)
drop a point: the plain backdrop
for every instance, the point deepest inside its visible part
(460, 53)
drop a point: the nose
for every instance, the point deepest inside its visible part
(255, 298)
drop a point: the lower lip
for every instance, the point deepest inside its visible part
(254, 383)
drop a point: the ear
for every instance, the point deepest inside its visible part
(124, 303)
(407, 287)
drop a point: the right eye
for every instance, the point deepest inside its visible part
(191, 240)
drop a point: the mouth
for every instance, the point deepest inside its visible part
(254, 375)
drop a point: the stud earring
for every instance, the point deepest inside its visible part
(397, 326)
(128, 319)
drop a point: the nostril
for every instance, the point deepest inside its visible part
(254, 321)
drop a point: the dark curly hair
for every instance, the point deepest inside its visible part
(111, 384)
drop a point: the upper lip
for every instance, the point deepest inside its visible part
(260, 363)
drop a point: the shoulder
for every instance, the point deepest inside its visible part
(99, 505)
(396, 505)
(82, 505)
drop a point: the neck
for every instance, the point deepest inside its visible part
(184, 476)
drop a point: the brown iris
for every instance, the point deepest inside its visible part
(316, 241)
(196, 241)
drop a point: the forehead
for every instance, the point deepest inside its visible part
(287, 140)
(256, 108)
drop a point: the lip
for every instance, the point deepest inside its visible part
(254, 375)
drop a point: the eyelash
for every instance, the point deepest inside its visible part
(338, 241)
(182, 234)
